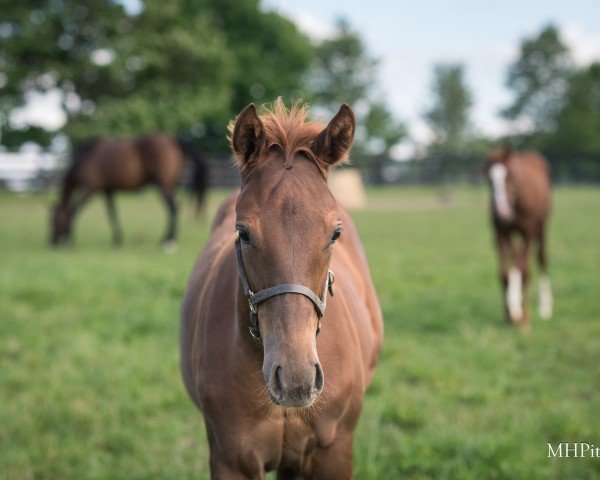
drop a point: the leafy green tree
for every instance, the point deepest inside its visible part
(383, 132)
(578, 122)
(48, 45)
(174, 68)
(344, 72)
(271, 56)
(539, 79)
(448, 115)
(180, 66)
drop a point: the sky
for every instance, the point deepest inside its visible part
(409, 36)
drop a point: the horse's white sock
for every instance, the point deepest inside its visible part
(514, 294)
(546, 299)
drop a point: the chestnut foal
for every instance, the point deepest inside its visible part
(276, 396)
(520, 208)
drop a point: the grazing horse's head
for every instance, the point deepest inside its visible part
(287, 222)
(60, 224)
(503, 189)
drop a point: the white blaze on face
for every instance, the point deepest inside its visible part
(498, 175)
(546, 299)
(514, 294)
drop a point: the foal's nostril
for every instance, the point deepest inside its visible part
(319, 380)
(277, 384)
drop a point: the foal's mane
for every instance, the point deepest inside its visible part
(289, 128)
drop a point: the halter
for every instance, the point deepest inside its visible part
(254, 299)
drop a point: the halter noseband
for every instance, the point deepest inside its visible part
(254, 299)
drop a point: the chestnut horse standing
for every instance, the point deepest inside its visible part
(274, 395)
(520, 207)
(106, 166)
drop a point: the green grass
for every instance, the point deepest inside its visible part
(89, 380)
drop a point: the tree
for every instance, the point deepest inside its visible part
(539, 79)
(271, 56)
(52, 45)
(179, 66)
(578, 121)
(344, 72)
(383, 132)
(175, 72)
(448, 116)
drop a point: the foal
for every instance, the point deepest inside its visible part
(520, 208)
(274, 395)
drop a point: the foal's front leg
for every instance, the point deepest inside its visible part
(221, 470)
(335, 461)
(507, 276)
(237, 446)
(545, 290)
(522, 284)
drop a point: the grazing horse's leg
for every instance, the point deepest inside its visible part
(545, 290)
(85, 196)
(170, 242)
(505, 249)
(112, 216)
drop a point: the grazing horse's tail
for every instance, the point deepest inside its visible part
(199, 178)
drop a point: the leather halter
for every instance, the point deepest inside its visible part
(254, 299)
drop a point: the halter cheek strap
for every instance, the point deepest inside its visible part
(254, 299)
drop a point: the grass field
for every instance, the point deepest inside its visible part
(89, 380)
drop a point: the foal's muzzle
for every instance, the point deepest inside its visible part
(293, 387)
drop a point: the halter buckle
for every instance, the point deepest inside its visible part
(330, 280)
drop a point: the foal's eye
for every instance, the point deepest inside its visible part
(336, 235)
(243, 235)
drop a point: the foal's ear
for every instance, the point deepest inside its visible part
(333, 144)
(248, 136)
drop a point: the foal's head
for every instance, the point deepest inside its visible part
(503, 189)
(288, 223)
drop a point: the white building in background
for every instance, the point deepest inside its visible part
(27, 169)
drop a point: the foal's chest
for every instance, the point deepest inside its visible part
(299, 439)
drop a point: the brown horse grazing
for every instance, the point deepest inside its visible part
(520, 207)
(278, 397)
(106, 166)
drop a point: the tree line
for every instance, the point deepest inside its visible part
(188, 66)
(184, 66)
(555, 106)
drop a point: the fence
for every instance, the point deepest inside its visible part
(375, 170)
(442, 169)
